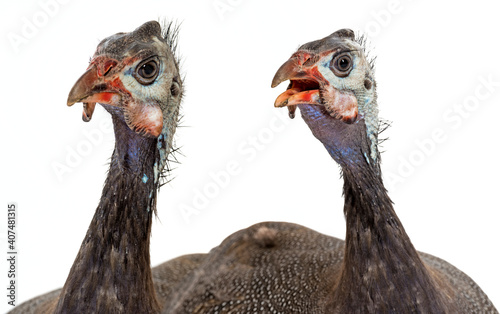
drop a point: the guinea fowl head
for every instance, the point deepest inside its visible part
(332, 83)
(135, 76)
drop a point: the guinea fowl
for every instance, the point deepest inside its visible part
(135, 77)
(276, 267)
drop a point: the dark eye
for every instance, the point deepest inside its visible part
(147, 71)
(341, 65)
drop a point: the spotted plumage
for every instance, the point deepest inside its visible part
(135, 77)
(277, 267)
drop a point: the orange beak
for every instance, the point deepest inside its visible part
(101, 84)
(92, 88)
(308, 86)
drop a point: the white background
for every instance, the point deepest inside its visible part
(431, 60)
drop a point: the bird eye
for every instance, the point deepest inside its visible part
(147, 71)
(341, 65)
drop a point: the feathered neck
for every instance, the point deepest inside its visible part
(112, 271)
(381, 271)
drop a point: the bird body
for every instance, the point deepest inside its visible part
(278, 267)
(271, 267)
(135, 77)
(166, 277)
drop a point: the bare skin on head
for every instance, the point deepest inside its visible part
(134, 76)
(271, 267)
(276, 267)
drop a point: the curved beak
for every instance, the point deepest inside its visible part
(90, 89)
(285, 72)
(306, 82)
(293, 69)
(304, 85)
(84, 87)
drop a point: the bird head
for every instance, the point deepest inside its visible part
(134, 75)
(332, 83)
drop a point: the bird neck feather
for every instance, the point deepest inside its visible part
(382, 271)
(112, 271)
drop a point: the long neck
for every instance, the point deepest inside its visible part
(112, 272)
(381, 271)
